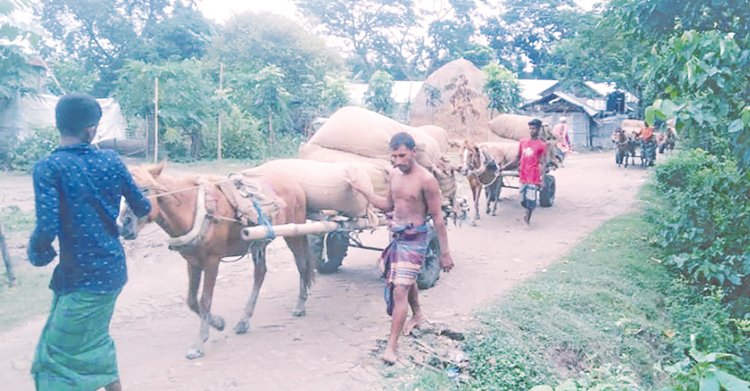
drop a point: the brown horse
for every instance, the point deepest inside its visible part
(177, 203)
(482, 171)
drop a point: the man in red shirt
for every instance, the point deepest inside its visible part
(532, 163)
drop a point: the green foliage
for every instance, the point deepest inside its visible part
(103, 36)
(706, 88)
(524, 31)
(14, 70)
(502, 88)
(703, 221)
(335, 94)
(241, 137)
(23, 153)
(379, 93)
(73, 77)
(186, 90)
(251, 42)
(16, 220)
(704, 372)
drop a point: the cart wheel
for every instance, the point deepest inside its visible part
(431, 266)
(547, 193)
(336, 246)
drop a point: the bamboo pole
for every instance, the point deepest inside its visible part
(261, 232)
(156, 121)
(221, 84)
(6, 258)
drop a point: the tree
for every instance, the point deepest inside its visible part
(185, 95)
(335, 94)
(14, 67)
(103, 35)
(270, 97)
(366, 27)
(379, 93)
(251, 41)
(73, 77)
(502, 88)
(525, 30)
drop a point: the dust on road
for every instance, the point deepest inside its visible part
(333, 346)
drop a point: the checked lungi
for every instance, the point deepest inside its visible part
(75, 351)
(401, 262)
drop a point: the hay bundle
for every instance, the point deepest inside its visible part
(378, 170)
(366, 133)
(444, 115)
(511, 126)
(325, 184)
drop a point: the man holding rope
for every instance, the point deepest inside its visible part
(414, 195)
(77, 193)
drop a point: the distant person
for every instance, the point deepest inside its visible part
(532, 165)
(560, 131)
(414, 195)
(77, 192)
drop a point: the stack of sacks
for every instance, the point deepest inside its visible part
(325, 184)
(357, 135)
(511, 126)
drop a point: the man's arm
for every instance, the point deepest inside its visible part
(434, 201)
(137, 201)
(47, 200)
(383, 203)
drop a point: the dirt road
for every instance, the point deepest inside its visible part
(332, 347)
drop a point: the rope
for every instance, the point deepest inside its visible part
(263, 220)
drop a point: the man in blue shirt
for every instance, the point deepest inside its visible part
(77, 191)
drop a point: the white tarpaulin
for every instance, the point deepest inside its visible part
(33, 112)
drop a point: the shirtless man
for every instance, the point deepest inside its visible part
(414, 195)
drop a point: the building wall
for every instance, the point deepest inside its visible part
(579, 126)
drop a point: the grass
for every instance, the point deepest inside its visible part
(31, 297)
(607, 312)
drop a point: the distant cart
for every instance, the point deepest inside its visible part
(331, 234)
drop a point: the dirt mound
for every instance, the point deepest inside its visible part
(448, 115)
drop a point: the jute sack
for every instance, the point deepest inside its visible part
(439, 134)
(366, 133)
(325, 184)
(512, 126)
(377, 169)
(502, 152)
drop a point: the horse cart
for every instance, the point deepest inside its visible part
(331, 234)
(545, 194)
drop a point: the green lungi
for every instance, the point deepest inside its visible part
(75, 351)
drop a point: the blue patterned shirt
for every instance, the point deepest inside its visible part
(77, 190)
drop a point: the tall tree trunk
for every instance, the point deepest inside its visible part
(6, 258)
(195, 143)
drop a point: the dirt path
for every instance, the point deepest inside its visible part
(332, 347)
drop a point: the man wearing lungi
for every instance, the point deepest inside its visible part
(532, 163)
(413, 197)
(77, 191)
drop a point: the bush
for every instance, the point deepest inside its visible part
(24, 153)
(702, 218)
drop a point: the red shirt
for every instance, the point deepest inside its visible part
(530, 151)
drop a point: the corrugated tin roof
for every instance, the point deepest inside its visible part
(531, 89)
(568, 98)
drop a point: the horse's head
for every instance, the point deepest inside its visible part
(471, 157)
(145, 177)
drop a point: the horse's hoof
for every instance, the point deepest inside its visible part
(299, 312)
(194, 353)
(473, 223)
(217, 322)
(242, 327)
